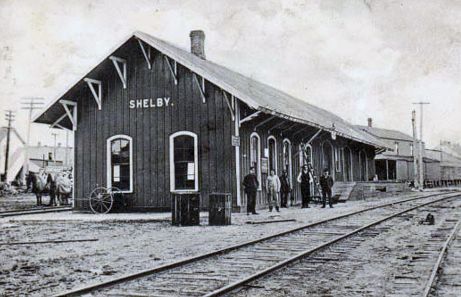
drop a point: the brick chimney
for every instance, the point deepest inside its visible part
(370, 122)
(197, 43)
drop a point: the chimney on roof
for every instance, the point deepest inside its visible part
(370, 122)
(197, 43)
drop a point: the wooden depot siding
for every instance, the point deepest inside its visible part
(295, 138)
(150, 129)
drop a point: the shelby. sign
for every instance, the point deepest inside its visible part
(151, 103)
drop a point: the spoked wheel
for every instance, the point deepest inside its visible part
(101, 200)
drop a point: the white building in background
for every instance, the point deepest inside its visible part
(16, 156)
(49, 156)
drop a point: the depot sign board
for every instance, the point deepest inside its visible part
(150, 103)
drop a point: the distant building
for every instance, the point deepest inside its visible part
(45, 156)
(16, 156)
(450, 162)
(397, 164)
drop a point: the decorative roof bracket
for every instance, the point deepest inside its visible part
(97, 95)
(145, 53)
(173, 69)
(120, 71)
(230, 105)
(201, 86)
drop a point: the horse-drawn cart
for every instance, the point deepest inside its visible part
(101, 200)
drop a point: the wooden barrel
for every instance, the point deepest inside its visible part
(185, 208)
(220, 208)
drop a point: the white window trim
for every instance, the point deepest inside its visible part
(275, 152)
(172, 167)
(301, 155)
(290, 166)
(109, 161)
(254, 134)
(332, 158)
(338, 163)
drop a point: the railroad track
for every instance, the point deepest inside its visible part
(222, 271)
(445, 279)
(11, 213)
(409, 264)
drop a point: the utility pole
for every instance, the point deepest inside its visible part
(9, 117)
(54, 148)
(30, 104)
(421, 164)
(415, 142)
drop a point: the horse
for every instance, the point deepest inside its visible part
(63, 189)
(38, 184)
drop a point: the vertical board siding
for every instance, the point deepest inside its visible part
(150, 129)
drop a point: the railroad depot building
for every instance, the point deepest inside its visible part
(397, 164)
(152, 119)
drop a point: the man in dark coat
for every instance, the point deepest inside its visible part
(305, 179)
(251, 184)
(285, 189)
(326, 183)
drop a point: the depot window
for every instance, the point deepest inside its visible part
(120, 163)
(183, 161)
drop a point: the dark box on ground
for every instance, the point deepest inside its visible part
(220, 209)
(185, 208)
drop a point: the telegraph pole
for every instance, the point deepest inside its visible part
(30, 104)
(421, 164)
(415, 142)
(9, 117)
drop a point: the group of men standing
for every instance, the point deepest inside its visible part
(282, 185)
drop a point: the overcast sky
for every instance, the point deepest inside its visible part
(358, 59)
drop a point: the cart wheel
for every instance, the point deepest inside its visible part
(101, 200)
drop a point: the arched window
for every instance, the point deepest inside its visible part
(287, 158)
(305, 155)
(255, 155)
(183, 161)
(272, 147)
(120, 163)
(347, 164)
(327, 157)
(363, 163)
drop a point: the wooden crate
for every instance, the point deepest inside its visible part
(220, 209)
(185, 209)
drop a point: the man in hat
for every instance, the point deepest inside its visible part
(326, 183)
(305, 179)
(285, 189)
(251, 184)
(273, 188)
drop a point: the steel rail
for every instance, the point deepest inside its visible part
(435, 269)
(240, 283)
(131, 276)
(12, 213)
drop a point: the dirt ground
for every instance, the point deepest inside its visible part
(125, 243)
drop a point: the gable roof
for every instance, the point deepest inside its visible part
(255, 94)
(386, 133)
